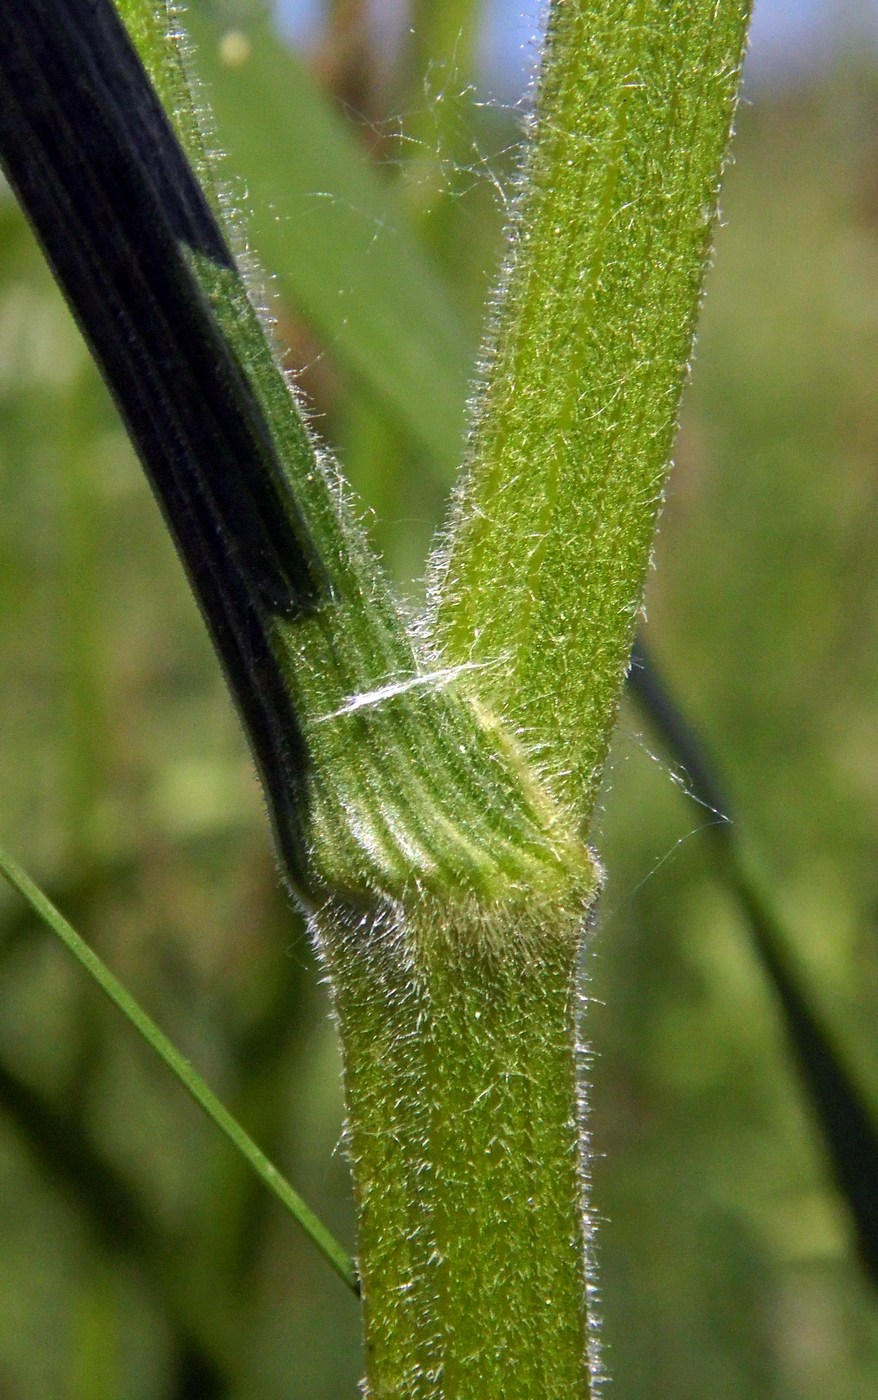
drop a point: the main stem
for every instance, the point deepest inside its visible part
(463, 1082)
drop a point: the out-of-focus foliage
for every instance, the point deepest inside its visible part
(725, 1258)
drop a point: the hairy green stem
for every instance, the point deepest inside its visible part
(463, 1078)
(457, 1009)
(594, 332)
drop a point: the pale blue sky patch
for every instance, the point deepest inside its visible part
(790, 38)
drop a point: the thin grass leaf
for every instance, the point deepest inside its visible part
(181, 1069)
(845, 1117)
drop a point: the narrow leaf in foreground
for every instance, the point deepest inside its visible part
(181, 1069)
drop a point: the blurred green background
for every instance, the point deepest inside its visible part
(138, 1260)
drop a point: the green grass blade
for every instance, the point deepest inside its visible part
(337, 238)
(844, 1116)
(581, 397)
(181, 1069)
